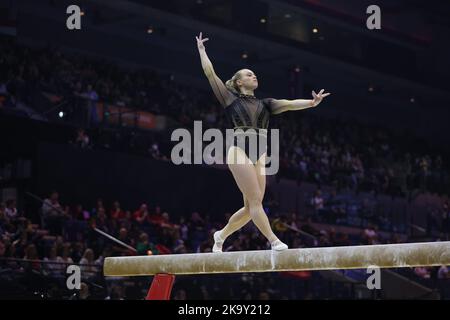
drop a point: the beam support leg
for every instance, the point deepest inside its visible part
(161, 287)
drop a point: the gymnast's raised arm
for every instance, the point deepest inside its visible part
(221, 92)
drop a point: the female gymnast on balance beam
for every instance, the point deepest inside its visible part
(248, 112)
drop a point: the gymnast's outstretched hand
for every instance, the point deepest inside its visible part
(317, 97)
(200, 41)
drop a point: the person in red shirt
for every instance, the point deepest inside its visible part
(141, 214)
(116, 212)
(156, 217)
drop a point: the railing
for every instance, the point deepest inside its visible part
(15, 264)
(43, 279)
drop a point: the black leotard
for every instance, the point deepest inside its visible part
(247, 112)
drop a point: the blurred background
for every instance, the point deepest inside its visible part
(86, 118)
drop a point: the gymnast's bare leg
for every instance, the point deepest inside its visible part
(251, 180)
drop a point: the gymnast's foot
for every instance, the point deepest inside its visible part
(277, 245)
(218, 242)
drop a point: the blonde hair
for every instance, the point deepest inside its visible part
(232, 83)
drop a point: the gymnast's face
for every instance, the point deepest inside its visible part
(247, 79)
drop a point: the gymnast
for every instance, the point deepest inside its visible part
(248, 114)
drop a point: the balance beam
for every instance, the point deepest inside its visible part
(331, 258)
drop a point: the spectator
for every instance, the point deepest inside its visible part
(184, 229)
(32, 255)
(99, 205)
(52, 214)
(100, 260)
(82, 139)
(53, 262)
(123, 236)
(197, 229)
(4, 221)
(318, 202)
(84, 293)
(117, 293)
(443, 273)
(101, 220)
(92, 98)
(141, 214)
(116, 212)
(10, 209)
(422, 272)
(370, 235)
(87, 263)
(2, 249)
(81, 214)
(156, 217)
(336, 207)
(145, 247)
(280, 227)
(66, 253)
(180, 294)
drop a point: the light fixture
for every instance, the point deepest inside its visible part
(315, 30)
(263, 20)
(412, 100)
(150, 30)
(61, 114)
(244, 55)
(371, 88)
